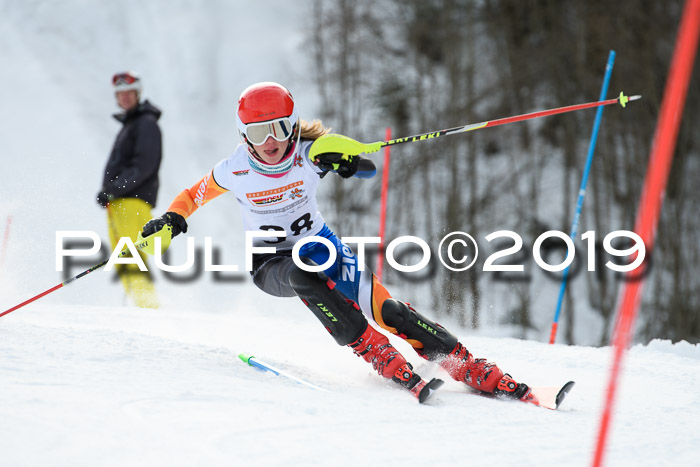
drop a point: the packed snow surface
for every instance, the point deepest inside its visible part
(124, 386)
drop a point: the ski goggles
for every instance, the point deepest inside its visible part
(123, 78)
(257, 133)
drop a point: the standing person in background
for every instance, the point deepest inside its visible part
(130, 183)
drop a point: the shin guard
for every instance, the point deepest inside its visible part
(432, 341)
(341, 317)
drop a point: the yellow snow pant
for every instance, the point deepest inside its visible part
(126, 217)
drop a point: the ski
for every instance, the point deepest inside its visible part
(424, 390)
(259, 364)
(549, 397)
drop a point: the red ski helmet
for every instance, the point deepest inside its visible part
(268, 110)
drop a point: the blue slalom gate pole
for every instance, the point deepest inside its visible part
(582, 190)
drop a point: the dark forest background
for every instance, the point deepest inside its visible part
(421, 65)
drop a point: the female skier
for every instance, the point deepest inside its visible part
(275, 182)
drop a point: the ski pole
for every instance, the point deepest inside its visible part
(144, 244)
(582, 192)
(252, 361)
(342, 144)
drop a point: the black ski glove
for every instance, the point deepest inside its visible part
(176, 221)
(103, 198)
(344, 164)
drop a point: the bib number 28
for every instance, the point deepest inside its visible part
(302, 224)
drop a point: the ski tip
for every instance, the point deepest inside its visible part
(429, 389)
(245, 357)
(563, 392)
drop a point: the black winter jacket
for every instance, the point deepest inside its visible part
(132, 168)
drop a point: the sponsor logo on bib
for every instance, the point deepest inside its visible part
(277, 195)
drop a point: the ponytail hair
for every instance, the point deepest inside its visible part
(312, 131)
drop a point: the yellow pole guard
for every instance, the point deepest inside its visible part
(333, 142)
(148, 244)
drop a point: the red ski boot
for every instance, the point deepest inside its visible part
(375, 348)
(477, 373)
(482, 375)
(509, 388)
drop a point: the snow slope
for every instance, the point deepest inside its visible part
(87, 381)
(118, 386)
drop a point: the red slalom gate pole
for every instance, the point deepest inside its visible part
(650, 202)
(382, 211)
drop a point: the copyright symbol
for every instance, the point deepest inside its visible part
(461, 241)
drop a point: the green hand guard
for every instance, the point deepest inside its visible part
(334, 143)
(148, 244)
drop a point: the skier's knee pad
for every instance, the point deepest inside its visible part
(436, 340)
(341, 317)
